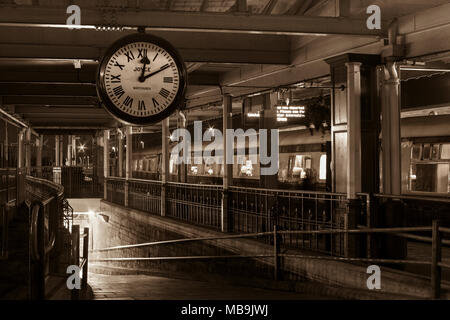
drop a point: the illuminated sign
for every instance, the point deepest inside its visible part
(286, 112)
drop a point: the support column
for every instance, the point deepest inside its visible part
(182, 168)
(392, 210)
(390, 126)
(353, 153)
(267, 119)
(228, 168)
(57, 163)
(61, 151)
(39, 144)
(164, 163)
(69, 150)
(73, 160)
(353, 129)
(28, 151)
(20, 153)
(120, 151)
(355, 118)
(105, 162)
(128, 161)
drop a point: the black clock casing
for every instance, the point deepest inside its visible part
(111, 103)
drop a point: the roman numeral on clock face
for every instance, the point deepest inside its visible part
(168, 80)
(118, 91)
(155, 102)
(129, 55)
(115, 79)
(142, 53)
(141, 105)
(165, 93)
(121, 66)
(128, 102)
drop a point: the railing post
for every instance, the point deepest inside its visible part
(38, 282)
(224, 224)
(86, 257)
(276, 249)
(128, 162)
(75, 255)
(105, 163)
(125, 193)
(164, 164)
(435, 260)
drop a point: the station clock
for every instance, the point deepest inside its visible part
(141, 79)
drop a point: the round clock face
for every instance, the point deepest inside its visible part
(141, 79)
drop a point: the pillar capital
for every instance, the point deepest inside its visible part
(353, 65)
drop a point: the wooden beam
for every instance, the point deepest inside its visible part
(51, 99)
(38, 110)
(195, 77)
(9, 50)
(193, 21)
(7, 89)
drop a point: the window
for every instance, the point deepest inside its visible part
(426, 154)
(323, 167)
(301, 163)
(416, 152)
(445, 152)
(430, 177)
(246, 169)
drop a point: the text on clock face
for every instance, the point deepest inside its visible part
(141, 79)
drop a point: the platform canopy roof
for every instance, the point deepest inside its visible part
(235, 46)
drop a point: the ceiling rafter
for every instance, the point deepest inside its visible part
(299, 7)
(204, 6)
(270, 5)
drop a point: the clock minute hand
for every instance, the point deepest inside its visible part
(155, 72)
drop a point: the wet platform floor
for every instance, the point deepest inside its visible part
(144, 287)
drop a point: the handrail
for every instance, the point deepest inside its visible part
(259, 234)
(115, 178)
(145, 181)
(193, 185)
(36, 211)
(247, 235)
(407, 197)
(58, 188)
(435, 262)
(371, 260)
(289, 191)
(34, 232)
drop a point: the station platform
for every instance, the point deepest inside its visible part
(145, 287)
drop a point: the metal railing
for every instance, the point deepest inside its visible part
(115, 190)
(253, 210)
(258, 210)
(435, 261)
(52, 219)
(80, 261)
(197, 204)
(78, 182)
(145, 195)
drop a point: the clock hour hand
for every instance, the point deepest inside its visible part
(157, 71)
(145, 61)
